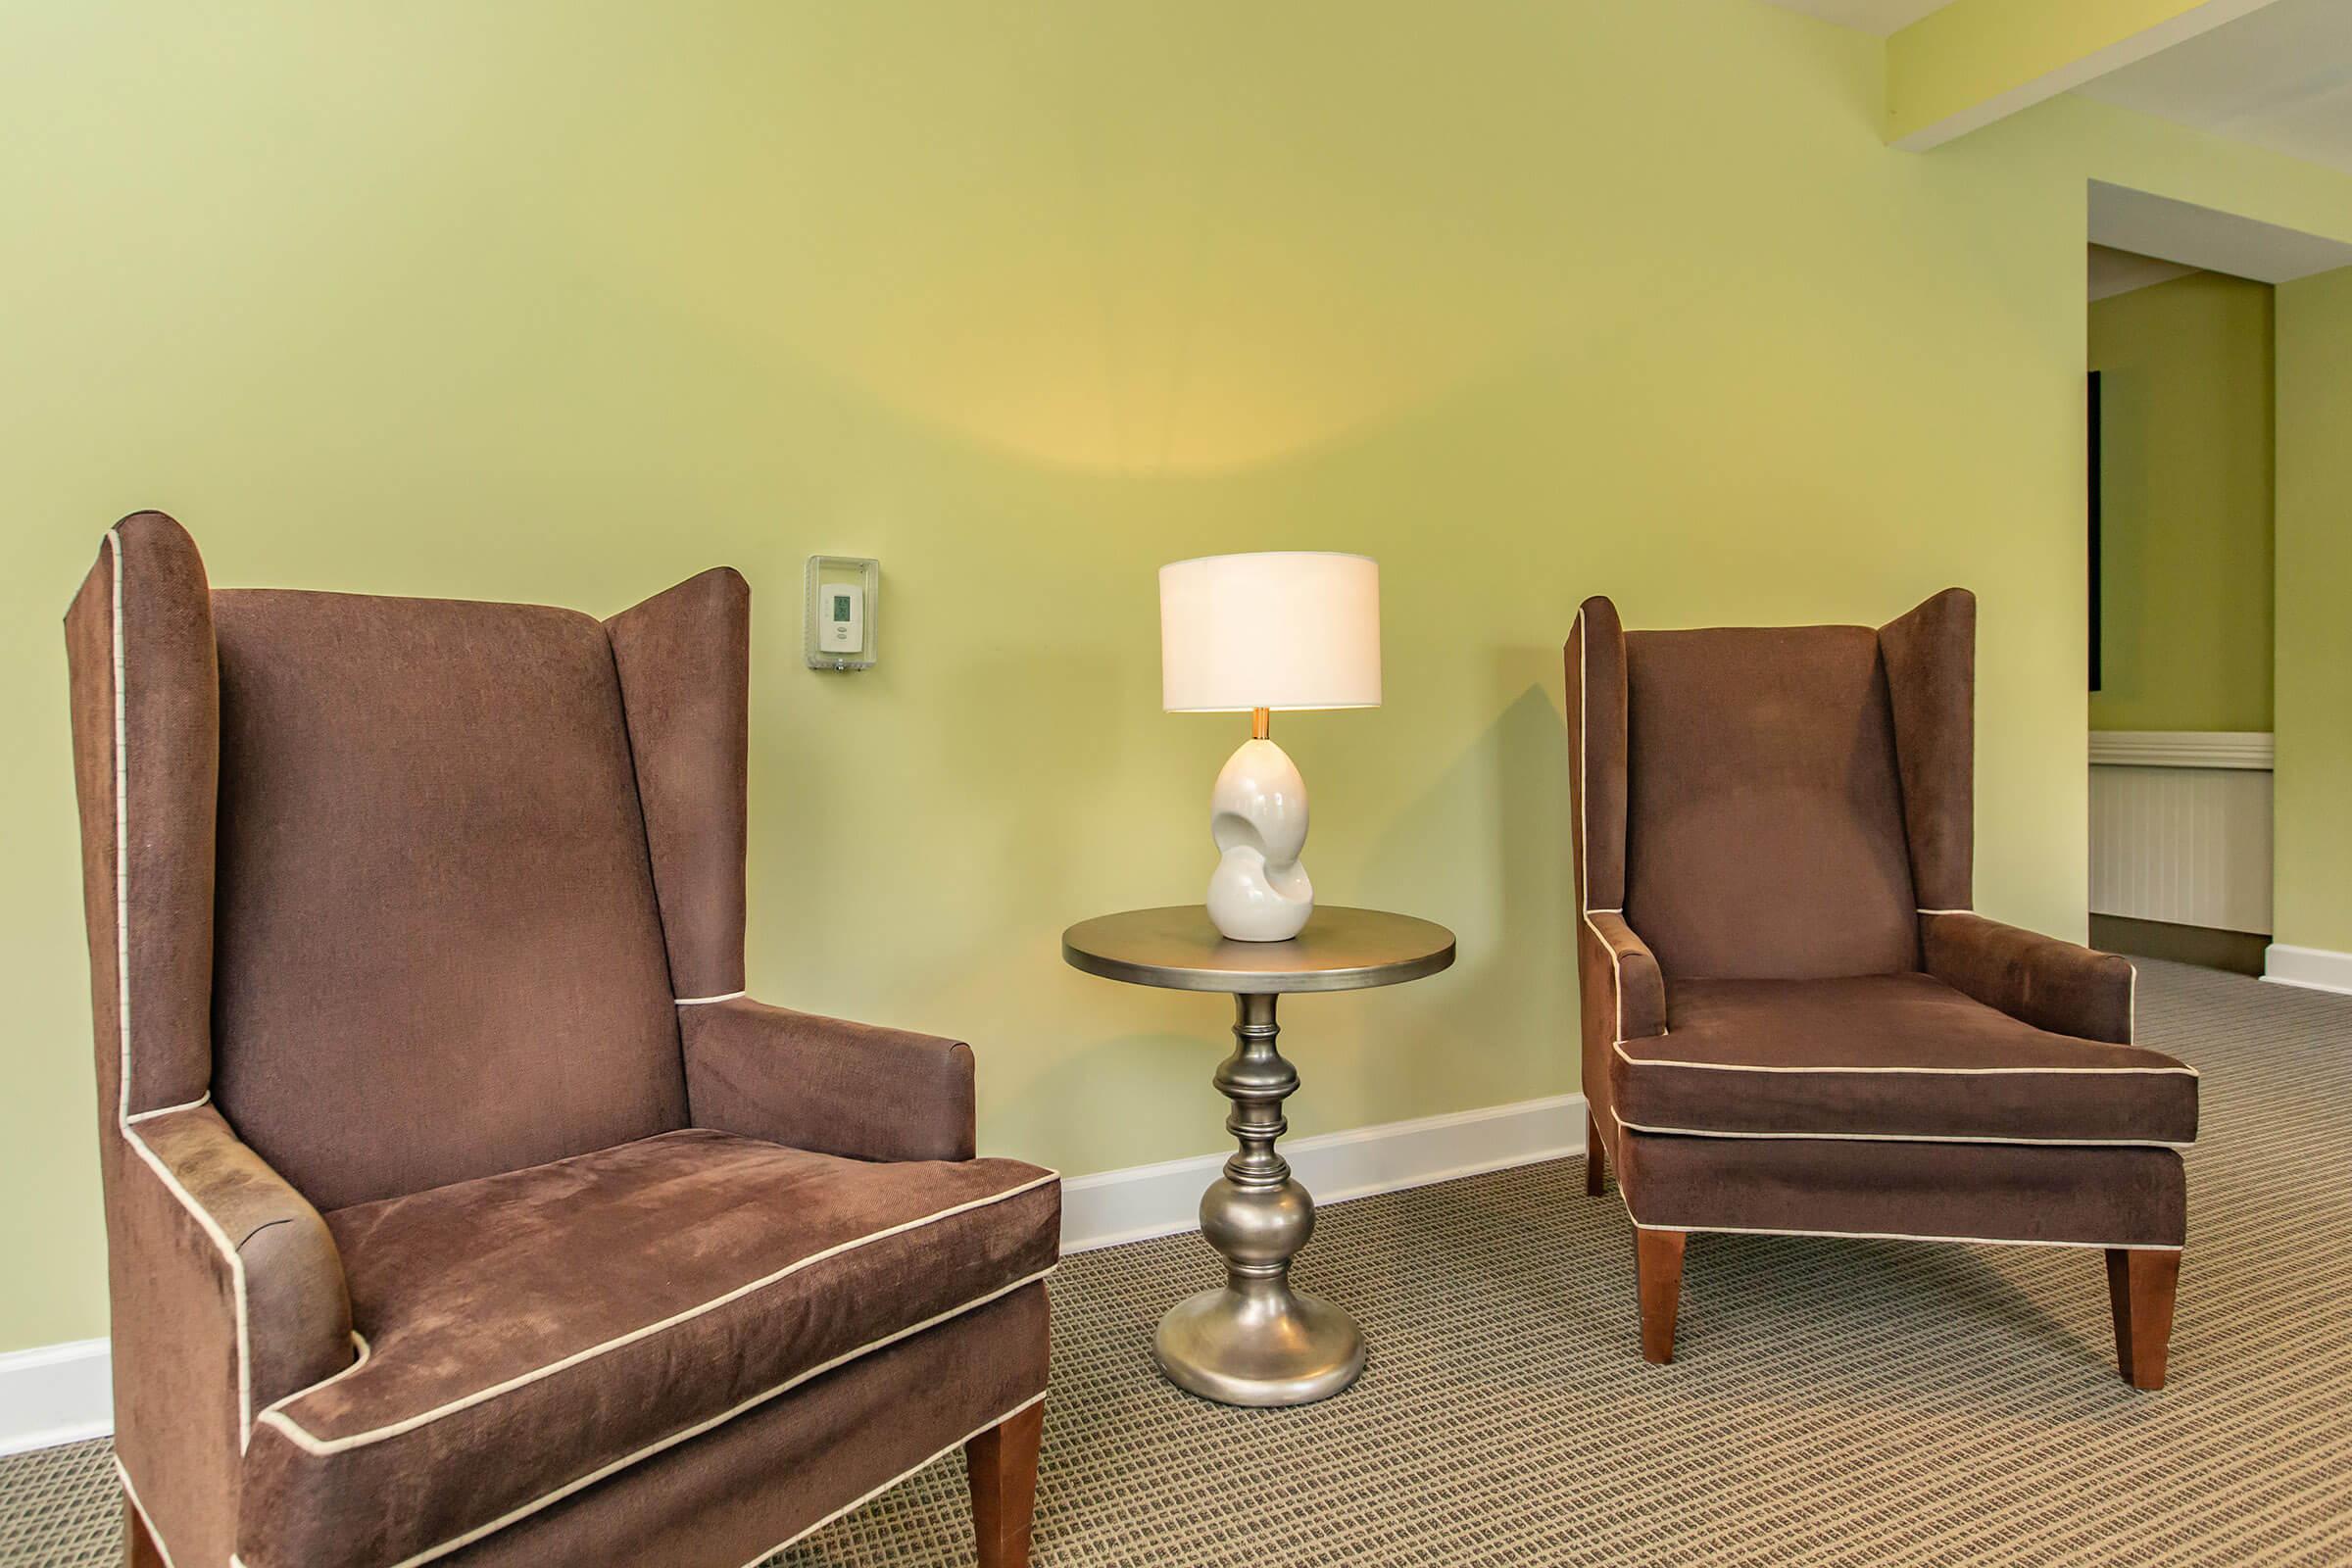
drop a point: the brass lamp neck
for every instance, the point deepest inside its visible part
(1261, 724)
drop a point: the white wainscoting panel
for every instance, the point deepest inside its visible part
(2181, 829)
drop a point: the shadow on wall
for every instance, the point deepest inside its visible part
(1503, 801)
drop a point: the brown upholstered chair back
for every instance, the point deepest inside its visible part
(1793, 796)
(437, 953)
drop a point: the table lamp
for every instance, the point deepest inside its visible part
(1280, 629)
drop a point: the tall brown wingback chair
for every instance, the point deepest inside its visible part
(1793, 1024)
(460, 1207)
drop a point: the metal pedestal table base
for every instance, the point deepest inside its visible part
(1253, 1340)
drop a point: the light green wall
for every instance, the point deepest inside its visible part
(2186, 517)
(2311, 789)
(565, 301)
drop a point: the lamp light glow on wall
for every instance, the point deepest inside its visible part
(1276, 630)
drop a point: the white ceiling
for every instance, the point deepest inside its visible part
(2201, 237)
(2279, 77)
(1881, 17)
(2114, 271)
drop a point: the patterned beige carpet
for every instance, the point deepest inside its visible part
(1838, 1403)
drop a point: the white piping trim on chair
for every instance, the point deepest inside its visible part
(902, 1476)
(1869, 1235)
(698, 1429)
(315, 1445)
(124, 1120)
(1905, 1236)
(146, 1518)
(1617, 975)
(1907, 1138)
(359, 1344)
(1583, 807)
(197, 1103)
(1584, 819)
(704, 1001)
(1962, 1072)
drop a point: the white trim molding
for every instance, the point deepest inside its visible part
(2312, 968)
(2251, 750)
(1141, 1202)
(55, 1393)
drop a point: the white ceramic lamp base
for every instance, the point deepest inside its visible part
(1257, 814)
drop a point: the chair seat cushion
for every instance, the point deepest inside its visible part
(529, 1332)
(2043, 1195)
(1891, 1056)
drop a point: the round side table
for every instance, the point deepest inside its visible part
(1253, 1340)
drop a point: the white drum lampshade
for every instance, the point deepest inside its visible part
(1279, 630)
(1258, 633)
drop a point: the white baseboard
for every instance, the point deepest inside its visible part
(1144, 1201)
(56, 1394)
(65, 1394)
(2313, 969)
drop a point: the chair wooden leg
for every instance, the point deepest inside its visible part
(1002, 1464)
(140, 1549)
(1597, 1171)
(1658, 1268)
(2141, 1281)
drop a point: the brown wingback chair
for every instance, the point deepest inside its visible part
(1793, 1024)
(460, 1207)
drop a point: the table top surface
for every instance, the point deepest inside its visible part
(1176, 948)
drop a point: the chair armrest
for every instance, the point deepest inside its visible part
(2052, 985)
(294, 1307)
(825, 1084)
(1637, 985)
(1622, 995)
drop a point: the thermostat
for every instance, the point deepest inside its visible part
(840, 615)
